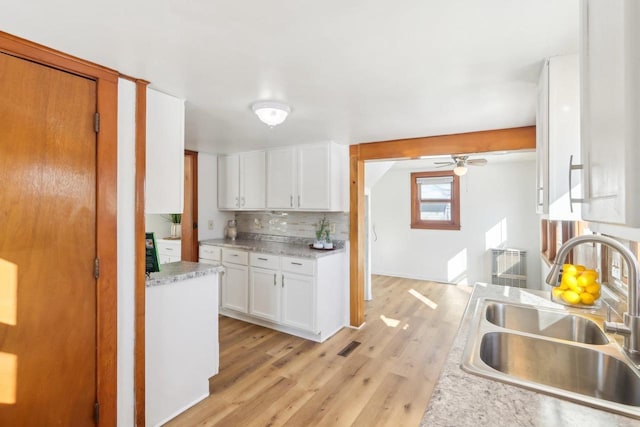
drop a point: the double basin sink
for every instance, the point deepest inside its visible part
(558, 352)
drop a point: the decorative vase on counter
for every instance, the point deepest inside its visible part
(176, 230)
(232, 229)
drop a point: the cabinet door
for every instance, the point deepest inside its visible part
(298, 301)
(229, 182)
(314, 176)
(562, 147)
(542, 141)
(235, 284)
(264, 294)
(164, 154)
(603, 110)
(252, 180)
(281, 192)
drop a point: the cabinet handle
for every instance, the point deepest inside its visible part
(283, 280)
(242, 199)
(237, 201)
(298, 200)
(274, 279)
(540, 195)
(168, 249)
(291, 200)
(296, 263)
(262, 259)
(234, 255)
(573, 167)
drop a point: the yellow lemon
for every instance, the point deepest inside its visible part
(586, 298)
(590, 273)
(557, 292)
(563, 286)
(593, 288)
(571, 297)
(569, 270)
(570, 281)
(585, 280)
(580, 268)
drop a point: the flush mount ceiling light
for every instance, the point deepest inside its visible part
(271, 113)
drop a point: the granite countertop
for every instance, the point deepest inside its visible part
(299, 249)
(182, 270)
(462, 399)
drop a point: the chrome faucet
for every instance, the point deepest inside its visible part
(630, 328)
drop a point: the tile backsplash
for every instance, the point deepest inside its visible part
(292, 224)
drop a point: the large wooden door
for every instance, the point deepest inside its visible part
(47, 246)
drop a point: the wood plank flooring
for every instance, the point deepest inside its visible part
(268, 378)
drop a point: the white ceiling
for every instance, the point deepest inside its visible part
(352, 71)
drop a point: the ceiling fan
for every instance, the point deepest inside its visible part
(461, 163)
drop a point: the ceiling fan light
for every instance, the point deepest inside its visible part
(460, 170)
(271, 113)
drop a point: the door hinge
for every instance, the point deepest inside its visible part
(96, 122)
(96, 412)
(96, 268)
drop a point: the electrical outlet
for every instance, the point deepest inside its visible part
(332, 228)
(210, 224)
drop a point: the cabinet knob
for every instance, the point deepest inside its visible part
(291, 200)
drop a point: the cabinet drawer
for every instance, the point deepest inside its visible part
(169, 247)
(270, 261)
(210, 252)
(299, 265)
(234, 256)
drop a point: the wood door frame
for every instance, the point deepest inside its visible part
(194, 202)
(106, 207)
(473, 142)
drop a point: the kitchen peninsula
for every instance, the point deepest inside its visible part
(181, 337)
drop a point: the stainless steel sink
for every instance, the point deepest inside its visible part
(559, 352)
(567, 367)
(545, 322)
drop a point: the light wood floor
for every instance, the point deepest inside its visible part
(268, 378)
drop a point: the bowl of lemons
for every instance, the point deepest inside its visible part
(578, 287)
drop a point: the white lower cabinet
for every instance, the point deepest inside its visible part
(301, 296)
(169, 251)
(264, 288)
(235, 281)
(298, 301)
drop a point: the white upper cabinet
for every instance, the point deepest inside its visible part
(308, 177)
(610, 111)
(252, 182)
(164, 154)
(281, 179)
(558, 138)
(241, 183)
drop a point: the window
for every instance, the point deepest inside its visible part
(435, 200)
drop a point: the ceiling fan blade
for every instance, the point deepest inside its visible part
(477, 162)
(443, 163)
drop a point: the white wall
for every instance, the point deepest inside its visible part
(126, 250)
(208, 199)
(497, 208)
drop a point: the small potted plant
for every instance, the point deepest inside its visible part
(328, 244)
(176, 225)
(320, 233)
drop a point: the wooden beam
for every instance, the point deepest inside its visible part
(511, 139)
(472, 142)
(356, 236)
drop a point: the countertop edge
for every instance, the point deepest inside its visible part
(180, 271)
(275, 248)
